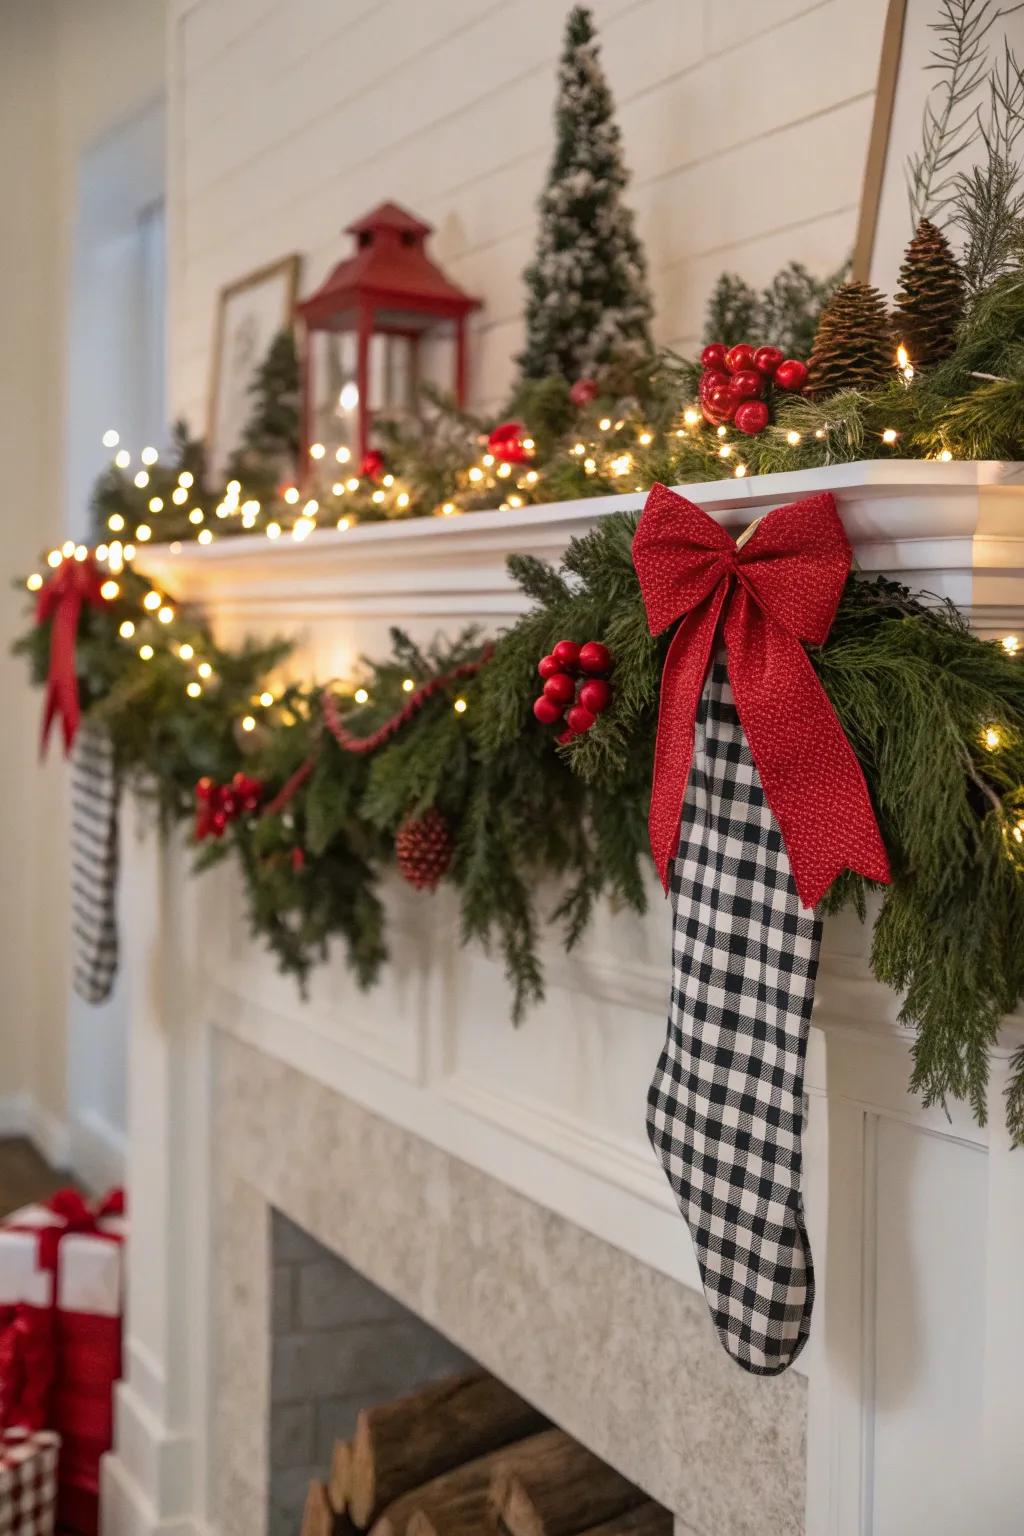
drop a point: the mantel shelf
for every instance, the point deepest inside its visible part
(955, 529)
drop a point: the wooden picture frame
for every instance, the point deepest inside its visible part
(250, 313)
(878, 143)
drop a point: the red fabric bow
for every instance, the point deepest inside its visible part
(73, 583)
(782, 588)
(77, 1215)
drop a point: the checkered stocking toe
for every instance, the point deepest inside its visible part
(725, 1108)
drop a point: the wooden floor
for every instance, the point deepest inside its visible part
(24, 1175)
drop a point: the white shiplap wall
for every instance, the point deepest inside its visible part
(745, 126)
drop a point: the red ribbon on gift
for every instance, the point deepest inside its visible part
(73, 583)
(777, 593)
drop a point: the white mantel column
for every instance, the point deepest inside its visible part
(155, 1480)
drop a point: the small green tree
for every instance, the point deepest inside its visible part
(587, 294)
(269, 448)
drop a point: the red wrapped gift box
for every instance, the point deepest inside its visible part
(60, 1336)
(28, 1482)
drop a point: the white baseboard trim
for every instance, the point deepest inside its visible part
(13, 1114)
(97, 1152)
(125, 1510)
(21, 1115)
(147, 1483)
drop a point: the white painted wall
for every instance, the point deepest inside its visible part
(70, 72)
(745, 126)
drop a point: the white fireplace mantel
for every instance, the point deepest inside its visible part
(917, 1220)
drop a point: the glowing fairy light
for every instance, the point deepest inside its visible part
(361, 696)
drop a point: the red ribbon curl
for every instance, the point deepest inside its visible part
(73, 583)
(778, 592)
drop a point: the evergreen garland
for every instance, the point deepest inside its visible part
(784, 314)
(935, 715)
(587, 293)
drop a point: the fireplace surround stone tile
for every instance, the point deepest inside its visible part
(620, 1355)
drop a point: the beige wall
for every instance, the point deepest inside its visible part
(745, 125)
(70, 70)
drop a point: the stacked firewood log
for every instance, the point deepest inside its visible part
(466, 1457)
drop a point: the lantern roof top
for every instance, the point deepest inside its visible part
(390, 269)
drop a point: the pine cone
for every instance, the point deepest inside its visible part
(423, 848)
(930, 302)
(853, 346)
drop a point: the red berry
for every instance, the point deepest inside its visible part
(560, 689)
(564, 736)
(298, 860)
(567, 654)
(791, 374)
(751, 417)
(767, 359)
(596, 695)
(712, 376)
(722, 402)
(747, 384)
(739, 358)
(218, 821)
(548, 666)
(580, 719)
(713, 356)
(595, 658)
(204, 788)
(546, 710)
(583, 391)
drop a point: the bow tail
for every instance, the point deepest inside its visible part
(62, 682)
(811, 777)
(682, 679)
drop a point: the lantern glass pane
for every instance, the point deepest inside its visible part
(335, 414)
(392, 374)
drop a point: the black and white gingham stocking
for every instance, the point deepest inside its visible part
(725, 1109)
(95, 802)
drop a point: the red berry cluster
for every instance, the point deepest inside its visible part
(571, 666)
(736, 381)
(508, 443)
(219, 804)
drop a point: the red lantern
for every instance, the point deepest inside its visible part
(384, 319)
